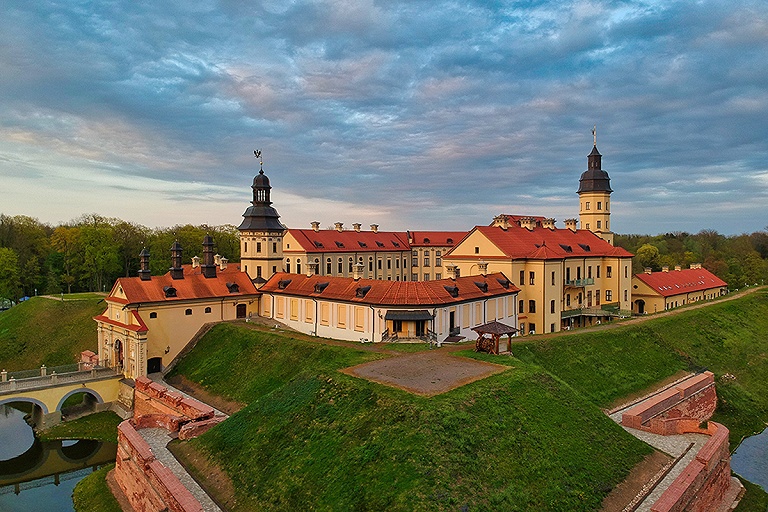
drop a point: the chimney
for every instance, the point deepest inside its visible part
(501, 221)
(339, 226)
(177, 271)
(648, 270)
(453, 271)
(528, 223)
(665, 268)
(195, 261)
(356, 226)
(548, 223)
(217, 259)
(678, 268)
(144, 272)
(222, 264)
(315, 226)
(312, 268)
(375, 228)
(208, 267)
(570, 224)
(357, 271)
(695, 266)
(482, 266)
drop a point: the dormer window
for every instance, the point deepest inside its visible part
(452, 290)
(362, 244)
(283, 283)
(319, 287)
(339, 244)
(319, 245)
(566, 248)
(380, 244)
(585, 246)
(362, 291)
(503, 282)
(450, 241)
(396, 244)
(483, 286)
(170, 291)
(233, 287)
(426, 240)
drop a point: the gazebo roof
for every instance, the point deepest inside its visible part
(494, 328)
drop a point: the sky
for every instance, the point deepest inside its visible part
(421, 115)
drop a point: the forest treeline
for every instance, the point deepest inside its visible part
(89, 253)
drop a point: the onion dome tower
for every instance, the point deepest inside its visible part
(595, 196)
(261, 233)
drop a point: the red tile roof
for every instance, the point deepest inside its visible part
(328, 240)
(550, 244)
(390, 293)
(436, 238)
(676, 282)
(141, 327)
(193, 286)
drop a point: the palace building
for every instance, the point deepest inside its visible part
(657, 291)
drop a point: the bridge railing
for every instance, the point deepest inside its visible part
(51, 377)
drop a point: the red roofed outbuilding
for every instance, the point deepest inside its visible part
(657, 291)
(375, 310)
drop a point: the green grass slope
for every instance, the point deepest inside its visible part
(727, 338)
(312, 438)
(44, 331)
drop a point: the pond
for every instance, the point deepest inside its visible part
(41, 476)
(750, 460)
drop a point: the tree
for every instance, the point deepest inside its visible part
(66, 241)
(648, 256)
(10, 285)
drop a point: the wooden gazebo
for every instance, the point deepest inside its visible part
(488, 336)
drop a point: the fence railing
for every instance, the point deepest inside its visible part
(51, 377)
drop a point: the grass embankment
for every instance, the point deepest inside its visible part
(92, 493)
(101, 426)
(314, 438)
(727, 338)
(45, 331)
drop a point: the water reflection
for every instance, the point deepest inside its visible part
(750, 459)
(41, 476)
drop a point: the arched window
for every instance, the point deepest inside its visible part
(188, 312)
(208, 310)
(153, 315)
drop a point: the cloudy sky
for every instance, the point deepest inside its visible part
(409, 114)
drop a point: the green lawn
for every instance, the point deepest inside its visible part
(45, 331)
(101, 426)
(726, 338)
(314, 438)
(93, 495)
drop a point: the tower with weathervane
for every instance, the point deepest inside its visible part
(261, 233)
(595, 196)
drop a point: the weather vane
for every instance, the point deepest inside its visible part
(257, 154)
(594, 134)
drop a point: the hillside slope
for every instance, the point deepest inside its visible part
(46, 331)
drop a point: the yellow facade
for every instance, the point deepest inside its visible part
(261, 253)
(595, 214)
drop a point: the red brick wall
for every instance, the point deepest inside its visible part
(148, 485)
(703, 483)
(152, 398)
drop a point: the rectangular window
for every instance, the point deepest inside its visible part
(378, 263)
(551, 327)
(532, 275)
(438, 276)
(288, 267)
(298, 267)
(568, 300)
(397, 263)
(258, 247)
(586, 205)
(478, 313)
(587, 225)
(325, 313)
(521, 307)
(551, 306)
(531, 328)
(245, 247)
(389, 264)
(477, 250)
(625, 295)
(599, 206)
(414, 277)
(274, 247)
(599, 224)
(309, 311)
(426, 277)
(397, 326)
(294, 309)
(258, 271)
(280, 307)
(438, 261)
(553, 279)
(522, 277)
(414, 262)
(598, 271)
(370, 265)
(597, 297)
(328, 268)
(589, 272)
(568, 274)
(626, 269)
(465, 316)
(608, 271)
(490, 313)
(350, 265)
(359, 318)
(608, 295)
(341, 316)
(426, 261)
(531, 306)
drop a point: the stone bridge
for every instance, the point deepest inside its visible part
(48, 389)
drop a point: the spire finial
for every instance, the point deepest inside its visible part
(257, 154)
(594, 135)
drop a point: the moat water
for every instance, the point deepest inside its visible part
(750, 460)
(37, 476)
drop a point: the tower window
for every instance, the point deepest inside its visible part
(245, 246)
(274, 246)
(587, 225)
(599, 205)
(586, 206)
(599, 224)
(258, 247)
